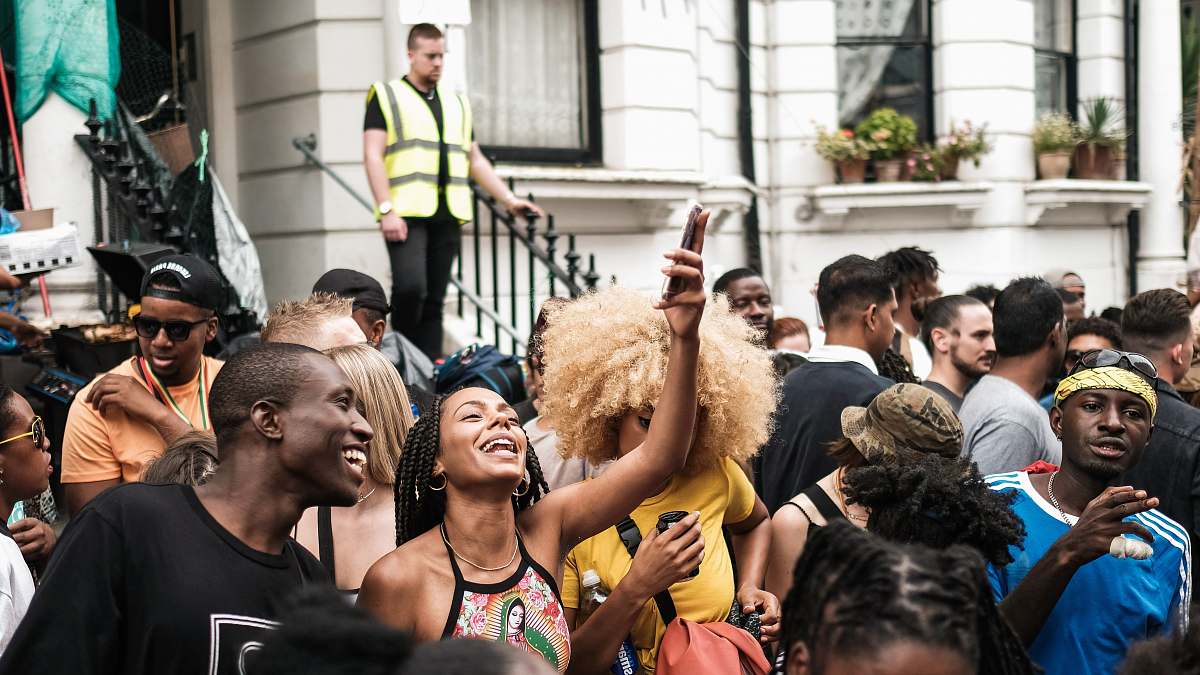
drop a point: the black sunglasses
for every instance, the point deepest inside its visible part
(1100, 358)
(177, 331)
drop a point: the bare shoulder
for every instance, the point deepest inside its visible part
(790, 519)
(406, 587)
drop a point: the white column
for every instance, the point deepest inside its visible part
(983, 72)
(1100, 36)
(1160, 258)
(59, 176)
(802, 92)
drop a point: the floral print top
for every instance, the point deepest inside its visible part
(523, 610)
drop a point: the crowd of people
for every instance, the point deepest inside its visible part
(996, 482)
(683, 490)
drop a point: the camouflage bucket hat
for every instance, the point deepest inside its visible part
(903, 416)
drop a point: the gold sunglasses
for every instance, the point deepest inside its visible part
(38, 432)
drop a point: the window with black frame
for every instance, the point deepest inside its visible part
(533, 75)
(885, 60)
(1054, 56)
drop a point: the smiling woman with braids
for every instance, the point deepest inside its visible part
(861, 604)
(473, 526)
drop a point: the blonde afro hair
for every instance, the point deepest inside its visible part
(606, 356)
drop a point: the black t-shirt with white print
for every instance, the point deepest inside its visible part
(145, 580)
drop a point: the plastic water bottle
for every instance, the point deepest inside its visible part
(594, 595)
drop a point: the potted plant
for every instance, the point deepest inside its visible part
(891, 136)
(848, 152)
(1100, 134)
(1054, 139)
(927, 163)
(964, 142)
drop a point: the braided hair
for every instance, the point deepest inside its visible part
(895, 368)
(929, 500)
(910, 265)
(854, 594)
(419, 507)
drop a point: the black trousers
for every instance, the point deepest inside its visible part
(421, 268)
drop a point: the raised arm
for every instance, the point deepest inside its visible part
(589, 507)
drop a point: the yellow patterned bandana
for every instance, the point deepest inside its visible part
(1107, 377)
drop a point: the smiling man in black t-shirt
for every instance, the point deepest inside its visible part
(174, 579)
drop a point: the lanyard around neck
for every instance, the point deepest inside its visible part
(156, 386)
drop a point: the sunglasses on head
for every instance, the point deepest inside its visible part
(1100, 358)
(177, 331)
(38, 432)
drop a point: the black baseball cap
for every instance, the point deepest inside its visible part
(199, 282)
(361, 288)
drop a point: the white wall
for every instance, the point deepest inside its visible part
(669, 120)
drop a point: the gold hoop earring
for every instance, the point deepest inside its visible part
(440, 487)
(524, 492)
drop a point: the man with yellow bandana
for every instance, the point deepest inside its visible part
(419, 151)
(1100, 567)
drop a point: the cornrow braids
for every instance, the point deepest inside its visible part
(854, 593)
(929, 500)
(419, 507)
(895, 368)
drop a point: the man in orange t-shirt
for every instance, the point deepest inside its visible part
(126, 417)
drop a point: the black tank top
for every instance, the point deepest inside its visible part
(820, 499)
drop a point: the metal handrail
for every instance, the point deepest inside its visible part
(307, 144)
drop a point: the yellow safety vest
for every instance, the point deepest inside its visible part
(412, 153)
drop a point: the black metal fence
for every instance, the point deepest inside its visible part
(508, 265)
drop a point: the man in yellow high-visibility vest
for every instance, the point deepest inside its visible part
(419, 151)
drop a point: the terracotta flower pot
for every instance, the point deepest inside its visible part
(851, 170)
(1054, 165)
(1094, 162)
(950, 168)
(888, 170)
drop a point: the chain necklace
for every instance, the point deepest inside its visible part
(1050, 491)
(368, 495)
(837, 488)
(442, 528)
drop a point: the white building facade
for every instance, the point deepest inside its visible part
(615, 114)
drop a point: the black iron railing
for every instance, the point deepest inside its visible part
(503, 270)
(129, 196)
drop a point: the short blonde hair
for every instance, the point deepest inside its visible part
(385, 404)
(190, 459)
(294, 320)
(606, 356)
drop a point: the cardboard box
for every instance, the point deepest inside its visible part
(39, 250)
(35, 219)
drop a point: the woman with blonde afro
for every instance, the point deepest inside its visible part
(606, 357)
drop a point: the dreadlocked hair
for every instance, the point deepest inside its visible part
(854, 594)
(1178, 654)
(419, 507)
(910, 265)
(937, 502)
(895, 368)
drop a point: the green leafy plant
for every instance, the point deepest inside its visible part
(966, 142)
(890, 133)
(1054, 132)
(1103, 124)
(841, 145)
(926, 163)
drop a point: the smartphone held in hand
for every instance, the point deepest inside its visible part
(687, 241)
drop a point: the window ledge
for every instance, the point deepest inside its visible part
(1072, 201)
(659, 197)
(960, 200)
